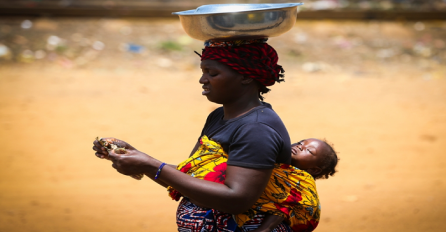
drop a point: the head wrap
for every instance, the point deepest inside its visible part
(251, 58)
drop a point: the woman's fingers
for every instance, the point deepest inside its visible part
(129, 163)
(118, 142)
(98, 146)
(101, 151)
(116, 163)
(121, 143)
(100, 155)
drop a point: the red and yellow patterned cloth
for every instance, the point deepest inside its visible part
(291, 192)
(252, 58)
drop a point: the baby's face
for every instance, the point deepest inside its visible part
(307, 153)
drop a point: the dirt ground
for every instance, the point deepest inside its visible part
(376, 90)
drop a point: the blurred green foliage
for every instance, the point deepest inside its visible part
(170, 45)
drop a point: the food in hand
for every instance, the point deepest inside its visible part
(110, 146)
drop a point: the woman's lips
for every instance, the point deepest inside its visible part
(205, 91)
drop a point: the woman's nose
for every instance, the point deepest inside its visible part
(203, 79)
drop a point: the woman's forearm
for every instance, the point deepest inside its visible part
(158, 181)
(241, 190)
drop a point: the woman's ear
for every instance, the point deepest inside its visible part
(247, 80)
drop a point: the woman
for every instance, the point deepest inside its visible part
(235, 75)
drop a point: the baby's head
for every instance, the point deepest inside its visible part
(315, 156)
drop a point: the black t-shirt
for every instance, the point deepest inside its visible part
(257, 139)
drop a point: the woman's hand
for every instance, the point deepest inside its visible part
(101, 151)
(127, 161)
(132, 162)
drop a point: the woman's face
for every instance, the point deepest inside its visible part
(221, 84)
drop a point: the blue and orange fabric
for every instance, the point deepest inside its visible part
(290, 193)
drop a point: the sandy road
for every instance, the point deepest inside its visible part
(390, 132)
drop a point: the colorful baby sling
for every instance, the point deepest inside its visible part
(290, 193)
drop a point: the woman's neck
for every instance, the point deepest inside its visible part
(239, 108)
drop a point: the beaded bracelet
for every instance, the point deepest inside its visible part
(159, 170)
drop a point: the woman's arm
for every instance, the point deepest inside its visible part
(102, 153)
(242, 188)
(159, 181)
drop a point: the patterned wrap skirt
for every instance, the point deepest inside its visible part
(192, 218)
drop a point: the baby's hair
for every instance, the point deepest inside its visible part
(328, 163)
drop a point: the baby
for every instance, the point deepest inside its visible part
(291, 191)
(317, 158)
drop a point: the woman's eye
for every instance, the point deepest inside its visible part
(213, 74)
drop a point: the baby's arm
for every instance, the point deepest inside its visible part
(269, 223)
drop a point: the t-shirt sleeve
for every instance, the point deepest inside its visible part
(255, 145)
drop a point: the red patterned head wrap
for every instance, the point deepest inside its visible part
(251, 58)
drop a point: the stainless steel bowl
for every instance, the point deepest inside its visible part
(238, 21)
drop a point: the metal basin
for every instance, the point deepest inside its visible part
(238, 21)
